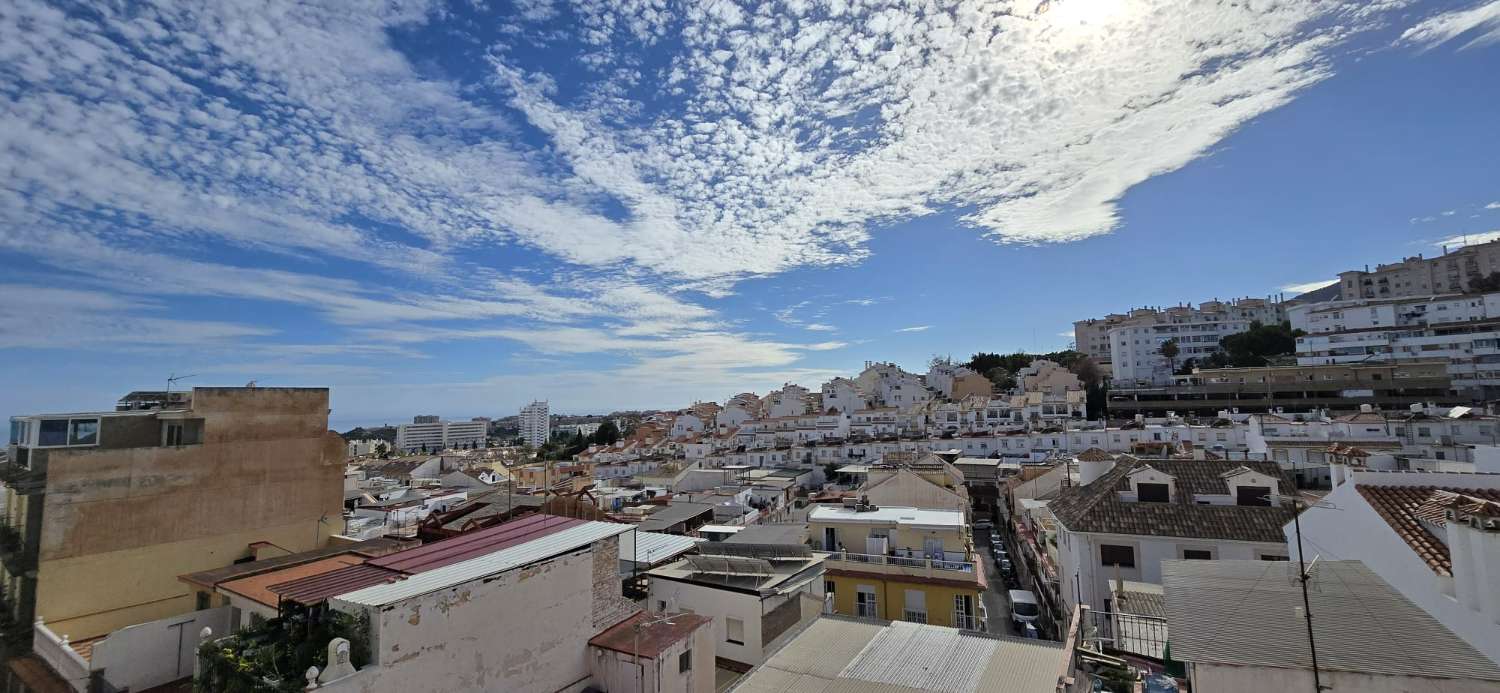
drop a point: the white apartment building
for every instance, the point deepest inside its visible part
(536, 424)
(844, 396)
(1451, 272)
(889, 386)
(434, 436)
(790, 400)
(1463, 329)
(1097, 337)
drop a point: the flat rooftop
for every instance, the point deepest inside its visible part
(843, 654)
(915, 517)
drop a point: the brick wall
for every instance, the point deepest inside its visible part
(609, 606)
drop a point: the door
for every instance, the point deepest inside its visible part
(830, 539)
(932, 547)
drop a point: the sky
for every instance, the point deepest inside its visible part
(455, 208)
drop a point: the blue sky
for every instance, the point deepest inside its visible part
(455, 208)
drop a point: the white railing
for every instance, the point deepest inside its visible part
(901, 561)
(63, 659)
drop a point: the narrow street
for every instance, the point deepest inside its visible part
(996, 603)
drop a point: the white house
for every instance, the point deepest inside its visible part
(843, 395)
(1127, 515)
(756, 600)
(1433, 536)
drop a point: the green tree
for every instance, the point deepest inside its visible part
(1253, 346)
(1169, 351)
(1088, 372)
(1487, 284)
(607, 434)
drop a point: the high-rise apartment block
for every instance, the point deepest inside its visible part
(536, 425)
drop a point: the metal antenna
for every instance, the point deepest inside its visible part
(173, 378)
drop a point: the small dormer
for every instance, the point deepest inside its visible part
(1151, 485)
(1249, 487)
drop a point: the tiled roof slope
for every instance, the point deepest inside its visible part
(1097, 507)
(1405, 508)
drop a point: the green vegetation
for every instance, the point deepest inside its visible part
(274, 655)
(1254, 346)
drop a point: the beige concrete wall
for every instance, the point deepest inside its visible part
(121, 524)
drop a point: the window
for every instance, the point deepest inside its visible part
(685, 662)
(828, 586)
(202, 601)
(963, 612)
(1153, 493)
(52, 432)
(1253, 495)
(916, 607)
(173, 435)
(865, 605)
(735, 630)
(83, 432)
(1111, 554)
(1197, 554)
(1273, 557)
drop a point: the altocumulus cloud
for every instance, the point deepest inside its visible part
(687, 146)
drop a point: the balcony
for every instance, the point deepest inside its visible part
(899, 565)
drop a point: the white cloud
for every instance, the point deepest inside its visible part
(1481, 21)
(1469, 239)
(915, 328)
(1449, 213)
(51, 318)
(1305, 287)
(1493, 205)
(819, 327)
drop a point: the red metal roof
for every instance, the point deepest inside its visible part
(316, 588)
(653, 639)
(396, 566)
(474, 544)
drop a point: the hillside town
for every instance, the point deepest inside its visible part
(994, 523)
(750, 346)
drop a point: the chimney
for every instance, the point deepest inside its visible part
(1365, 409)
(1474, 543)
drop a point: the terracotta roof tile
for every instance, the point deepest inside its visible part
(1406, 508)
(1097, 507)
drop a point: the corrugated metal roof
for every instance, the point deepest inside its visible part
(838, 654)
(1246, 613)
(575, 535)
(316, 588)
(474, 544)
(652, 548)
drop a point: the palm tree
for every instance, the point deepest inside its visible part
(1169, 350)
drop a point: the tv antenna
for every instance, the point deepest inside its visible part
(173, 378)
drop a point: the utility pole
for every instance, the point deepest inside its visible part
(1306, 603)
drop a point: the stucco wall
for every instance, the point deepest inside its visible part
(617, 672)
(1234, 679)
(1080, 555)
(121, 524)
(890, 598)
(523, 630)
(718, 605)
(1345, 527)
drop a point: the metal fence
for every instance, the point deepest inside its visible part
(1145, 636)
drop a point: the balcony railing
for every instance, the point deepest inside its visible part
(902, 564)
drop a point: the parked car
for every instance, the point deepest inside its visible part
(1024, 609)
(983, 524)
